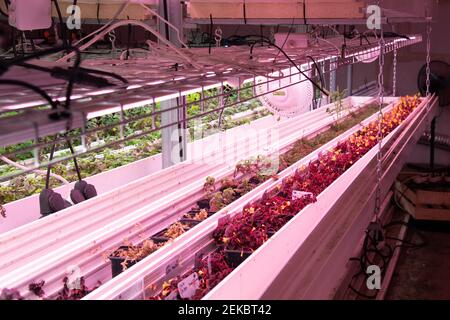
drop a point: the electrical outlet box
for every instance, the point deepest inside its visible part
(292, 40)
(27, 15)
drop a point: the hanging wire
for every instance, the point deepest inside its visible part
(394, 75)
(429, 29)
(380, 120)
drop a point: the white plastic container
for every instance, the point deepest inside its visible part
(30, 15)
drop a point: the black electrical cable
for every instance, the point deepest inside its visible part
(98, 12)
(58, 72)
(211, 25)
(166, 17)
(75, 162)
(52, 152)
(292, 62)
(61, 23)
(370, 246)
(128, 40)
(242, 40)
(72, 77)
(74, 3)
(47, 177)
(33, 46)
(409, 244)
(286, 39)
(71, 32)
(322, 81)
(205, 37)
(104, 73)
(363, 36)
(235, 36)
(4, 65)
(221, 112)
(388, 34)
(304, 12)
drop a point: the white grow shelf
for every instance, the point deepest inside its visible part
(79, 235)
(132, 283)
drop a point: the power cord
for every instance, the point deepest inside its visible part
(371, 245)
(211, 26)
(291, 61)
(322, 81)
(4, 66)
(39, 91)
(61, 23)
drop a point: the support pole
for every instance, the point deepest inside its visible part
(36, 156)
(173, 137)
(333, 75)
(349, 80)
(432, 143)
(169, 135)
(182, 128)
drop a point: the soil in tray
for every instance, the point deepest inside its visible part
(203, 204)
(255, 181)
(117, 261)
(191, 214)
(161, 236)
(193, 222)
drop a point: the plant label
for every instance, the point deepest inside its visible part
(172, 265)
(300, 194)
(189, 286)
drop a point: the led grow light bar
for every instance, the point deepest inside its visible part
(147, 85)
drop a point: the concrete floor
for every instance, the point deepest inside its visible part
(423, 273)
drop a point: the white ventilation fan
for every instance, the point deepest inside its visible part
(286, 102)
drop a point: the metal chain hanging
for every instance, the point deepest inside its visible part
(380, 120)
(429, 29)
(394, 74)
